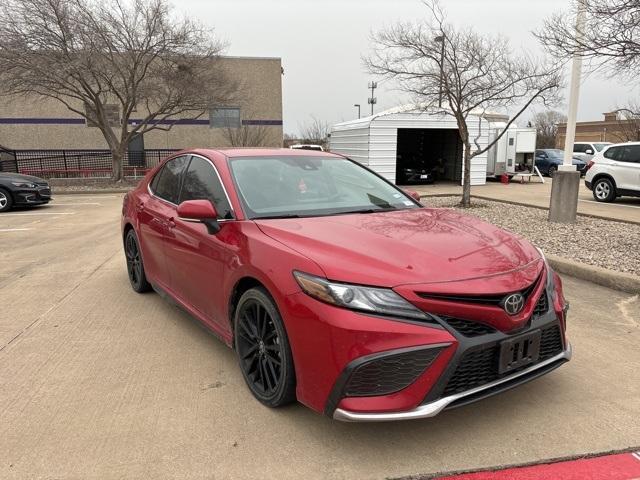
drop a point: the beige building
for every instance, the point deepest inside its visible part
(47, 124)
(612, 129)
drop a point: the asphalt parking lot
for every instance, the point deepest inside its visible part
(97, 382)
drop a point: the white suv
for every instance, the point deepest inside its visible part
(615, 172)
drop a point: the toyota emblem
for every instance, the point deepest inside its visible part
(513, 304)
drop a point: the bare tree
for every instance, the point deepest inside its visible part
(611, 35)
(469, 72)
(106, 60)
(247, 134)
(316, 132)
(546, 125)
(628, 122)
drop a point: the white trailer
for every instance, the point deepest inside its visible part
(514, 153)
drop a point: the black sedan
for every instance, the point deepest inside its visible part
(22, 190)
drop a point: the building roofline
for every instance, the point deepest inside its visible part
(241, 57)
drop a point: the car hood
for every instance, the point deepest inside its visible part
(408, 246)
(19, 176)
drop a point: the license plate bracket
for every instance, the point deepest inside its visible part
(519, 351)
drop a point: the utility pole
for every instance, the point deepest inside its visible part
(358, 106)
(372, 100)
(566, 182)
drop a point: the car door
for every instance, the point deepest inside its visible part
(154, 211)
(196, 259)
(542, 161)
(628, 167)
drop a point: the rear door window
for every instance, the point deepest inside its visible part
(169, 178)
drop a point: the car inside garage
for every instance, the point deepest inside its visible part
(426, 155)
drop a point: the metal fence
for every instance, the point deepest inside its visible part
(78, 163)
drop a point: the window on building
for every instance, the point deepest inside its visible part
(201, 182)
(224, 117)
(111, 111)
(166, 183)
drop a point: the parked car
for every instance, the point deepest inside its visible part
(338, 289)
(548, 160)
(615, 172)
(22, 190)
(586, 150)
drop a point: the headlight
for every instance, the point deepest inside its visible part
(355, 297)
(24, 184)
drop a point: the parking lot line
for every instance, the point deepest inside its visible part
(69, 204)
(14, 229)
(31, 214)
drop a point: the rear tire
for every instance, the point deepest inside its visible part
(6, 201)
(135, 267)
(552, 171)
(604, 190)
(262, 346)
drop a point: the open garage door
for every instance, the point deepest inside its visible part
(428, 155)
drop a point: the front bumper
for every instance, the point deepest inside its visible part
(433, 408)
(32, 196)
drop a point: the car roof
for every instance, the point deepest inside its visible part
(264, 152)
(622, 144)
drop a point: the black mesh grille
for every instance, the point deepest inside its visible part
(481, 366)
(389, 374)
(543, 304)
(469, 328)
(550, 343)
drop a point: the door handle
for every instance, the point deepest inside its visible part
(171, 223)
(140, 206)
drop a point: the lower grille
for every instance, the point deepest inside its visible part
(481, 366)
(385, 375)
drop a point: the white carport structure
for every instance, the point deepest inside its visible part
(388, 140)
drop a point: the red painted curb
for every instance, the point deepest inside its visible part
(622, 466)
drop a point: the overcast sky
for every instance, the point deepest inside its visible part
(321, 43)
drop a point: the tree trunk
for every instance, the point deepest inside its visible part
(466, 182)
(117, 156)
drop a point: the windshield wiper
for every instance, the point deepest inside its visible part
(368, 210)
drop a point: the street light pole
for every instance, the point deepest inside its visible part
(358, 106)
(566, 182)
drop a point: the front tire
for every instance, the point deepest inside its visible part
(135, 267)
(6, 201)
(552, 171)
(262, 346)
(604, 190)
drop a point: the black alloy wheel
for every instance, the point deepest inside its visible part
(552, 171)
(135, 267)
(263, 349)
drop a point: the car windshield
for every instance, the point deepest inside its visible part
(600, 146)
(555, 153)
(293, 186)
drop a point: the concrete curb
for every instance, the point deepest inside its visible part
(624, 282)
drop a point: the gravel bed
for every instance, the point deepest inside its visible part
(603, 243)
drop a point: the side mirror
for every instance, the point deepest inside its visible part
(413, 194)
(200, 211)
(589, 152)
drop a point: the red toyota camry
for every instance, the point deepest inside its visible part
(338, 289)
